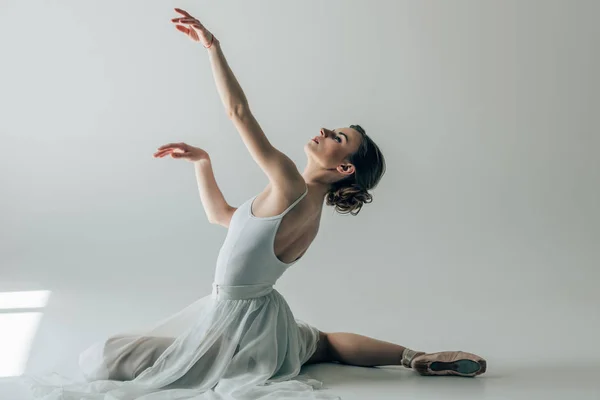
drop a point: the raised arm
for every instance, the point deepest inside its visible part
(279, 168)
(232, 96)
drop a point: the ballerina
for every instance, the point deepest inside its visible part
(242, 341)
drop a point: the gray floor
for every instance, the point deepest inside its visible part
(565, 382)
(500, 382)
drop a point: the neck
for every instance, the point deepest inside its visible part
(317, 181)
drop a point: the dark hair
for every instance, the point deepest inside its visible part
(349, 194)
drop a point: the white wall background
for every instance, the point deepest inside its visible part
(483, 235)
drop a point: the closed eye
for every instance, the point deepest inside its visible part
(337, 137)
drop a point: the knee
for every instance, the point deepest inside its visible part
(328, 349)
(92, 362)
(323, 352)
(333, 347)
(99, 361)
(324, 343)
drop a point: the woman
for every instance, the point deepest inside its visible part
(243, 341)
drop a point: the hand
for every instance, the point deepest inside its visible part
(183, 151)
(193, 28)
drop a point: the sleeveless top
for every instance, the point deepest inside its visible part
(247, 256)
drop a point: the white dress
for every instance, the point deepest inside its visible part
(240, 342)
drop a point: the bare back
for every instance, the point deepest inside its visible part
(298, 228)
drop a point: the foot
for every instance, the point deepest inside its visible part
(457, 363)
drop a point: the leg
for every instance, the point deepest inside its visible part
(127, 356)
(354, 349)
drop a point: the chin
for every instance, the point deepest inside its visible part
(308, 150)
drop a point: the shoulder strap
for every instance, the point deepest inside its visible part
(295, 202)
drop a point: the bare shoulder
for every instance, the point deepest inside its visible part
(275, 199)
(288, 179)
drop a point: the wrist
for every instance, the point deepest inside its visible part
(203, 160)
(213, 42)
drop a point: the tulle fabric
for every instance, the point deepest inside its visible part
(239, 342)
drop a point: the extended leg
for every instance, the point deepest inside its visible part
(355, 349)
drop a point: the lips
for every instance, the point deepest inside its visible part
(315, 140)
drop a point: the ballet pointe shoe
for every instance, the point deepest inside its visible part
(457, 363)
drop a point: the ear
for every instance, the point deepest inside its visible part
(345, 169)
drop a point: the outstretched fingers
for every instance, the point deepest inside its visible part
(186, 21)
(189, 29)
(170, 148)
(163, 153)
(173, 152)
(181, 155)
(183, 29)
(183, 12)
(189, 22)
(192, 27)
(179, 145)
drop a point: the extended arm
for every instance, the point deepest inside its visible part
(230, 91)
(279, 168)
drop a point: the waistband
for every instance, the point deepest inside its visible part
(240, 292)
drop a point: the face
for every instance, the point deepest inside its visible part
(331, 148)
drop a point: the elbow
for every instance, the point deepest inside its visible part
(223, 218)
(219, 222)
(238, 111)
(215, 219)
(212, 219)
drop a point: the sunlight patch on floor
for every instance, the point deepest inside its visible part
(20, 315)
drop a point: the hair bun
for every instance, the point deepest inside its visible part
(349, 199)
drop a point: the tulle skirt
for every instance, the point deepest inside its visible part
(239, 342)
